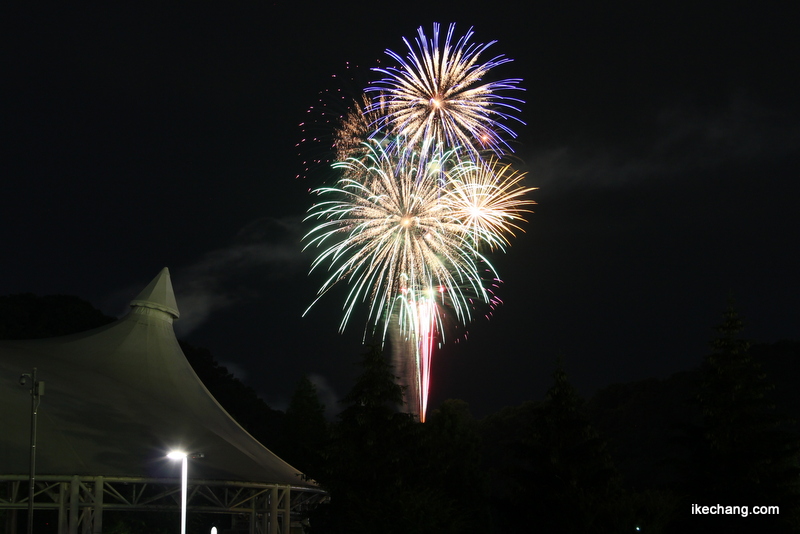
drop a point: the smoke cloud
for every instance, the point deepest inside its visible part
(267, 248)
(683, 138)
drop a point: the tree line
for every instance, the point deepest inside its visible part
(635, 458)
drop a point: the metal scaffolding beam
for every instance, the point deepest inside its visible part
(81, 500)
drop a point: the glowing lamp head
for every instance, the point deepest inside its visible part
(177, 455)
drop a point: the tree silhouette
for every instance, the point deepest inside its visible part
(375, 468)
(305, 429)
(27, 316)
(566, 479)
(455, 465)
(748, 454)
(239, 400)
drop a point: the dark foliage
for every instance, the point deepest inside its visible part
(454, 451)
(368, 460)
(697, 436)
(562, 477)
(305, 430)
(388, 473)
(636, 457)
(27, 316)
(238, 399)
(646, 424)
(747, 448)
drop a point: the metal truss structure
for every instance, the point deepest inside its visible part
(255, 508)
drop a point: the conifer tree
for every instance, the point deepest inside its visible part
(569, 475)
(455, 466)
(305, 429)
(370, 459)
(749, 454)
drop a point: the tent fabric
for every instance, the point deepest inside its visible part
(159, 295)
(118, 398)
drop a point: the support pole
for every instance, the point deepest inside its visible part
(37, 390)
(87, 517)
(253, 523)
(12, 519)
(97, 524)
(184, 491)
(63, 488)
(287, 510)
(74, 499)
(273, 511)
(11, 514)
(264, 525)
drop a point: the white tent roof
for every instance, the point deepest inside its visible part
(118, 398)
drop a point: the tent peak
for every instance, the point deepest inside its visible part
(158, 295)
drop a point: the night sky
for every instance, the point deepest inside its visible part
(663, 141)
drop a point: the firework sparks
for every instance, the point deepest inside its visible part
(393, 236)
(488, 198)
(335, 123)
(356, 126)
(404, 230)
(438, 94)
(415, 202)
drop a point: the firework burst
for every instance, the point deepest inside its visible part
(390, 233)
(356, 126)
(438, 93)
(489, 198)
(416, 203)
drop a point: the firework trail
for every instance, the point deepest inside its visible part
(408, 246)
(415, 204)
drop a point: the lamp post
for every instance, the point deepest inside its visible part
(37, 390)
(184, 458)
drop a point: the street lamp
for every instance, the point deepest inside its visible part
(184, 458)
